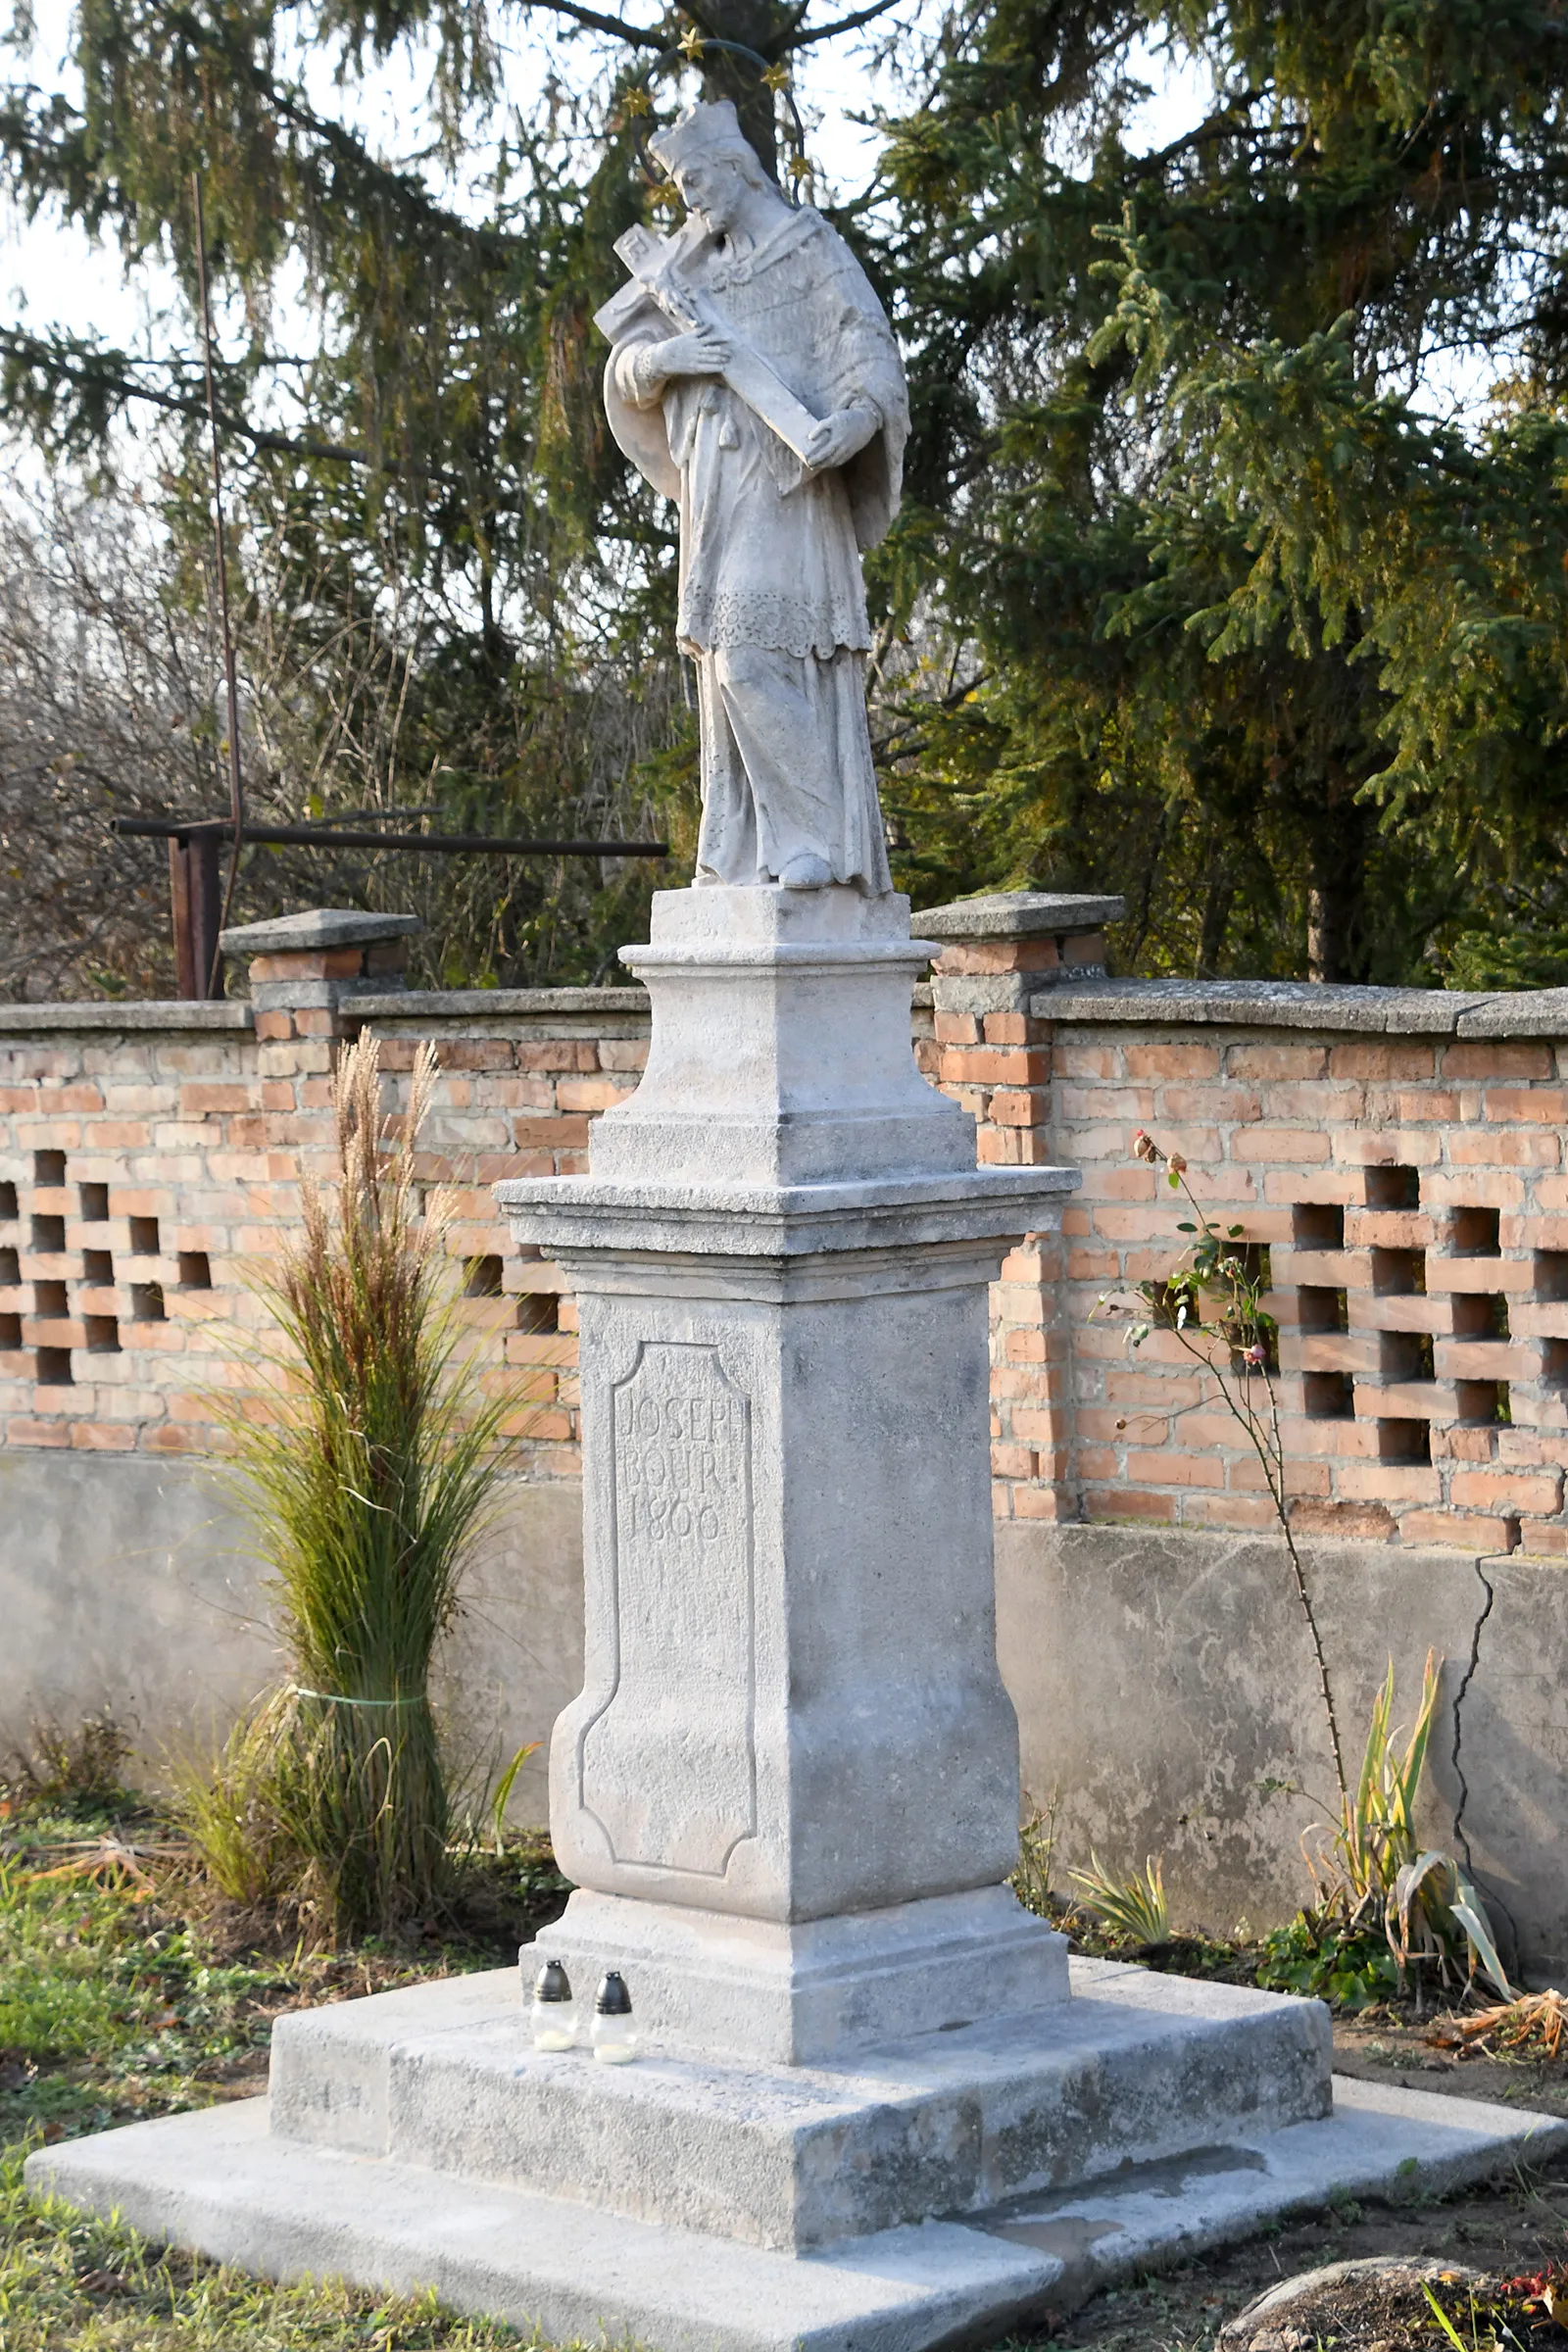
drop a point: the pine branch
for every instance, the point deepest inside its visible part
(345, 148)
(106, 373)
(1283, 136)
(53, 158)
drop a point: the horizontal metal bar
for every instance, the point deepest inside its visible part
(438, 844)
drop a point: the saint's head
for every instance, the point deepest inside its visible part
(717, 169)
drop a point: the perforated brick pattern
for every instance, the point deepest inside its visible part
(1412, 1199)
(145, 1180)
(1410, 1194)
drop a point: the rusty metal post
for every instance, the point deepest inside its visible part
(180, 915)
(196, 904)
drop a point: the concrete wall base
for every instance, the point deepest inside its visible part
(132, 1584)
(1166, 1690)
(1161, 1678)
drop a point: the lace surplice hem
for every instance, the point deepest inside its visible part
(782, 621)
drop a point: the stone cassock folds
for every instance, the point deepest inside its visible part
(772, 606)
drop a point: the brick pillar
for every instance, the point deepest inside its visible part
(990, 1054)
(305, 970)
(305, 967)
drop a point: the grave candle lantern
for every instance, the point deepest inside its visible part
(615, 2036)
(554, 2013)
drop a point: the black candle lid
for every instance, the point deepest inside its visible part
(613, 1999)
(553, 1983)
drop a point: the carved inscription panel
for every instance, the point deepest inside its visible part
(668, 1767)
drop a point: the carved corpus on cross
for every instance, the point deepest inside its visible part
(657, 283)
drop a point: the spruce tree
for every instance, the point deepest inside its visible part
(1222, 608)
(1197, 592)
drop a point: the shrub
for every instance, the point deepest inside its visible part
(62, 1767)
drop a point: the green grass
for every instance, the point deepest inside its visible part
(73, 2284)
(120, 2002)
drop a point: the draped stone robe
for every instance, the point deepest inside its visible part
(772, 606)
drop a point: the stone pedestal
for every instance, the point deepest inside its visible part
(872, 2114)
(791, 1781)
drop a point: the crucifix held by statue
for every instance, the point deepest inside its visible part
(755, 380)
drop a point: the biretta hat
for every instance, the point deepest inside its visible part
(707, 129)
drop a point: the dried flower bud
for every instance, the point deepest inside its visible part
(1144, 1146)
(1176, 1164)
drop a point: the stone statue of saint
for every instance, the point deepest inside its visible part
(777, 419)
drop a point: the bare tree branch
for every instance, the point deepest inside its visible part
(111, 704)
(828, 32)
(641, 36)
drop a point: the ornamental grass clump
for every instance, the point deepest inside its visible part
(1133, 1908)
(366, 1483)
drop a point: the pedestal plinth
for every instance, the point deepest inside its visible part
(872, 2115)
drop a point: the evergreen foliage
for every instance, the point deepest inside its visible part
(1246, 627)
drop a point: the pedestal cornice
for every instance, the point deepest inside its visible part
(571, 1214)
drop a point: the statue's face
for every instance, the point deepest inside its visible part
(715, 188)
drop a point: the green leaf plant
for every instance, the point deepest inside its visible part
(1132, 1908)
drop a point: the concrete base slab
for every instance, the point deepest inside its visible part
(1134, 2068)
(220, 2182)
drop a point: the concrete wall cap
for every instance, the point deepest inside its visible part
(1018, 914)
(317, 927)
(980, 993)
(291, 996)
(412, 1005)
(1522, 1013)
(1265, 1005)
(176, 1012)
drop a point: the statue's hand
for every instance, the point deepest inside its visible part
(836, 439)
(688, 355)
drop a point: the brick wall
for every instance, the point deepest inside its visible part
(990, 1047)
(137, 1175)
(151, 1158)
(1407, 1187)
(524, 1075)
(1397, 1153)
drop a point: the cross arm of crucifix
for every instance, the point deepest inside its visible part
(690, 311)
